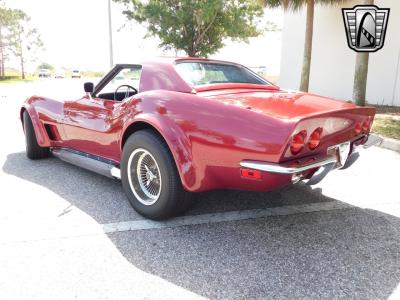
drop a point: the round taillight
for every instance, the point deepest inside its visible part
(358, 128)
(365, 126)
(298, 142)
(315, 138)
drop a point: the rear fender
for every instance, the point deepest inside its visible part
(178, 143)
(207, 138)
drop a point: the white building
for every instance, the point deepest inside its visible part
(333, 62)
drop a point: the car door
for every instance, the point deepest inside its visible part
(91, 128)
(93, 123)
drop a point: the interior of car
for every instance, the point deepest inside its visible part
(124, 84)
(117, 96)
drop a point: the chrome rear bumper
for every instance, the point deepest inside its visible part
(339, 160)
(274, 168)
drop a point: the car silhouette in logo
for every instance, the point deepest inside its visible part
(365, 27)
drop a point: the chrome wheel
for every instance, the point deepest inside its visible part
(144, 176)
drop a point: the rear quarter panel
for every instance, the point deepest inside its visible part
(208, 139)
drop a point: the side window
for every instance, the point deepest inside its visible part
(127, 76)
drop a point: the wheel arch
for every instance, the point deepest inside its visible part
(179, 151)
(40, 132)
(21, 114)
(136, 126)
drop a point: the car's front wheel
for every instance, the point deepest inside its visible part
(150, 178)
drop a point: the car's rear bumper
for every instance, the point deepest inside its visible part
(340, 156)
(276, 168)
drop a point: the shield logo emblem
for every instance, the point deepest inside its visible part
(365, 27)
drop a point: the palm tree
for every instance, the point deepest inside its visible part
(295, 5)
(361, 73)
(360, 78)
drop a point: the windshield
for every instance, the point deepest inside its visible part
(201, 73)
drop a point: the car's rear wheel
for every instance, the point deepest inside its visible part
(150, 178)
(33, 150)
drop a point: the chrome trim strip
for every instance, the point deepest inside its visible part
(116, 173)
(342, 152)
(275, 168)
(87, 161)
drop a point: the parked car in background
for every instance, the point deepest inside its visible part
(173, 126)
(76, 74)
(44, 73)
(59, 74)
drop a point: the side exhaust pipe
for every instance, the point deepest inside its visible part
(88, 162)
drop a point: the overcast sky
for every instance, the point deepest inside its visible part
(75, 34)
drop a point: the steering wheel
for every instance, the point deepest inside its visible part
(127, 91)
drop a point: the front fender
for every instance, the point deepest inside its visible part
(40, 132)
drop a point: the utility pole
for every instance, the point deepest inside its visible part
(110, 34)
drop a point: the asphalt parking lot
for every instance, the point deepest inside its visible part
(67, 233)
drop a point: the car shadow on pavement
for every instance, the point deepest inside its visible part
(103, 198)
(349, 253)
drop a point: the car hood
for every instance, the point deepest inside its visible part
(279, 104)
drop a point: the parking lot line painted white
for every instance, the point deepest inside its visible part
(12, 233)
(223, 217)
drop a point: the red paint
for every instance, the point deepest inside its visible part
(208, 130)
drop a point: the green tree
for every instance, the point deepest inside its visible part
(16, 37)
(24, 40)
(197, 27)
(295, 5)
(361, 72)
(45, 65)
(6, 21)
(2, 19)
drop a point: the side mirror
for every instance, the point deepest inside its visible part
(88, 87)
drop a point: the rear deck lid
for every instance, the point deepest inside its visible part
(278, 104)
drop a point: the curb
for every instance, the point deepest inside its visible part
(391, 144)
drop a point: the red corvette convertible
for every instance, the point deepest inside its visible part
(173, 126)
